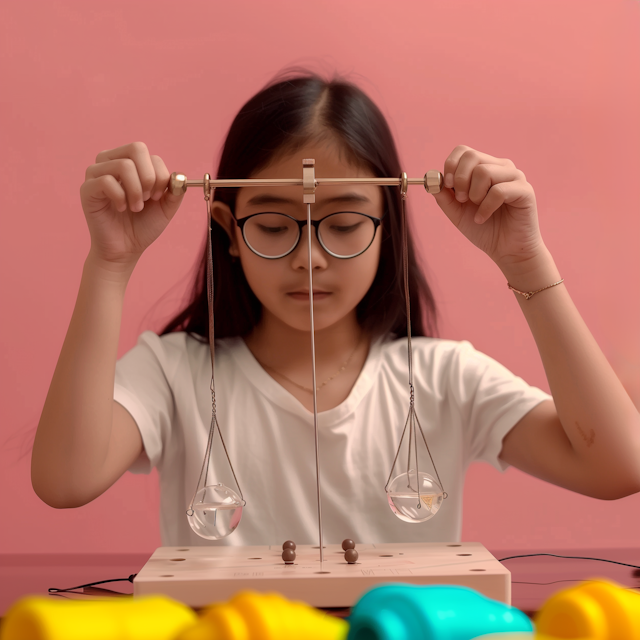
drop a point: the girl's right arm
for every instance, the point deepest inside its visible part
(85, 441)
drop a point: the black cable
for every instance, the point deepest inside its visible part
(556, 582)
(91, 584)
(527, 555)
(553, 555)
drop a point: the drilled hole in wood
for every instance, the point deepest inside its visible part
(463, 554)
(255, 558)
(477, 569)
(387, 556)
(322, 571)
(177, 559)
(454, 545)
(166, 576)
(182, 549)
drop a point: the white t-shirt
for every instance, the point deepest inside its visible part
(465, 401)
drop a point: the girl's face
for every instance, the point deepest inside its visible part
(282, 285)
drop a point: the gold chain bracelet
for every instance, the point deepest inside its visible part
(528, 294)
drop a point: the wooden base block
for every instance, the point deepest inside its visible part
(199, 576)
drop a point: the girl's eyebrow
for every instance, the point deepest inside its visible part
(267, 198)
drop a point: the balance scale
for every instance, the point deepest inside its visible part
(320, 575)
(201, 575)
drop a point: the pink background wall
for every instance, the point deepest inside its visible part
(552, 85)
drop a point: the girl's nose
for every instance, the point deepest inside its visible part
(300, 255)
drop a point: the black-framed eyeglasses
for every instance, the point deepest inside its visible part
(345, 234)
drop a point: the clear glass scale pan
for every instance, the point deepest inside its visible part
(217, 511)
(414, 497)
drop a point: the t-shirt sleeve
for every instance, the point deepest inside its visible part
(142, 387)
(492, 400)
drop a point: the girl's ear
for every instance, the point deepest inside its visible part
(221, 213)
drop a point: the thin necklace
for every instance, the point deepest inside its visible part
(309, 389)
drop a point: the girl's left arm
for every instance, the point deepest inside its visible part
(588, 439)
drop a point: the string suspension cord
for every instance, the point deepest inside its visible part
(315, 398)
(412, 419)
(209, 191)
(405, 265)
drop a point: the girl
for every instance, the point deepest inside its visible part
(152, 407)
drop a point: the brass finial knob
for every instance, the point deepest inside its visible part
(177, 183)
(433, 181)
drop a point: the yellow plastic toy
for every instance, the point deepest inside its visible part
(593, 610)
(146, 618)
(255, 616)
(247, 616)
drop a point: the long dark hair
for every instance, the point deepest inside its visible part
(290, 111)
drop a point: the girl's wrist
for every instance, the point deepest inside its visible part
(532, 274)
(112, 272)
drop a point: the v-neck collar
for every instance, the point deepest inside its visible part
(277, 394)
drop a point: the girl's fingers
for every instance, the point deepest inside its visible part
(162, 177)
(138, 153)
(124, 170)
(108, 187)
(486, 176)
(168, 202)
(461, 164)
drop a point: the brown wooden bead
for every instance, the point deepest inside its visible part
(289, 544)
(288, 555)
(348, 544)
(351, 556)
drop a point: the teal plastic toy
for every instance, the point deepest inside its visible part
(431, 612)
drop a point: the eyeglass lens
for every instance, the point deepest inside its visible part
(343, 234)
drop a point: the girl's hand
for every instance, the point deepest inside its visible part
(493, 205)
(125, 202)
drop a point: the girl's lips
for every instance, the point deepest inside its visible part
(317, 295)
